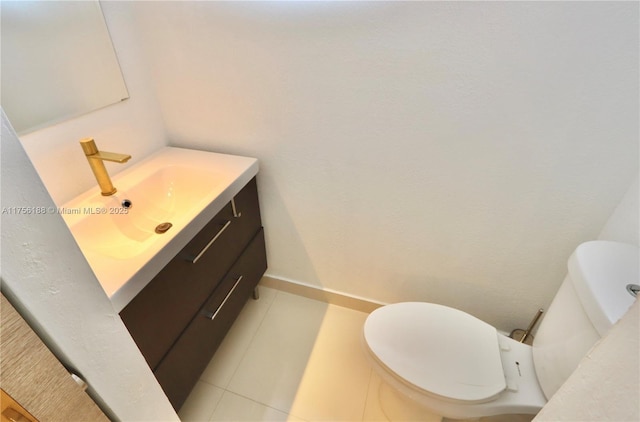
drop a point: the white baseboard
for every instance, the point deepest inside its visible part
(324, 295)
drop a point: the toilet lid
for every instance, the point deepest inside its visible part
(438, 349)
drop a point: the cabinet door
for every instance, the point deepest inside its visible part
(180, 369)
(160, 312)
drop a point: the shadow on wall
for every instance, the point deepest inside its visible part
(290, 235)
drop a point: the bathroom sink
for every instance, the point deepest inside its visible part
(125, 237)
(169, 195)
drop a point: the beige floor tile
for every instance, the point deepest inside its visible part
(233, 407)
(236, 342)
(273, 366)
(290, 358)
(336, 378)
(201, 403)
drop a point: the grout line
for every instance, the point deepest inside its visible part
(263, 404)
(216, 406)
(210, 414)
(366, 400)
(276, 293)
(244, 352)
(210, 383)
(253, 337)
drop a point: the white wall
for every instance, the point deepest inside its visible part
(47, 279)
(453, 152)
(132, 127)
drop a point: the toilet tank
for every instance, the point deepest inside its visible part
(592, 297)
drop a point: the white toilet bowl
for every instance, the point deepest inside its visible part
(458, 366)
(451, 362)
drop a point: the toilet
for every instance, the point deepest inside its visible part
(458, 366)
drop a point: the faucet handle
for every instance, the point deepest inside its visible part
(91, 150)
(112, 156)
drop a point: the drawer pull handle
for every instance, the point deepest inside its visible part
(236, 214)
(213, 315)
(194, 260)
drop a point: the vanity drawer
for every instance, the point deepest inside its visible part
(182, 366)
(160, 312)
(233, 228)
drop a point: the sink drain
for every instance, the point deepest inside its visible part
(163, 227)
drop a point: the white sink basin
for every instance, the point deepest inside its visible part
(183, 187)
(168, 195)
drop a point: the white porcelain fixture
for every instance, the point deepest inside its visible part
(117, 234)
(458, 366)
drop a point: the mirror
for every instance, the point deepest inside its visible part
(57, 62)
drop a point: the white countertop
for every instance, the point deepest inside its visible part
(123, 276)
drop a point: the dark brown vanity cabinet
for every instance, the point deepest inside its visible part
(180, 318)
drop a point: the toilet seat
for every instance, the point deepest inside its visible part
(439, 350)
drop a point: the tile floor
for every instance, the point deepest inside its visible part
(290, 358)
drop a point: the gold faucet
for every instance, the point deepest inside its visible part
(96, 162)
